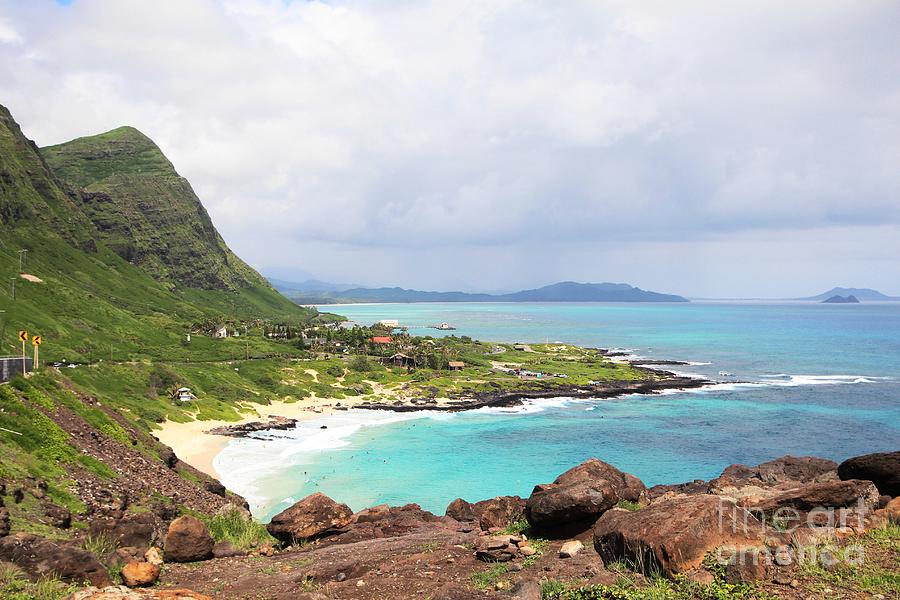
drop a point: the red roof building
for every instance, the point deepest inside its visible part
(382, 339)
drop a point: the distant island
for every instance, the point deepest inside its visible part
(566, 291)
(859, 294)
(851, 299)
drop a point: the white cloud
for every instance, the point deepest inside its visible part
(360, 134)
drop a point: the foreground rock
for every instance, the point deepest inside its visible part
(123, 593)
(188, 540)
(140, 574)
(881, 468)
(580, 495)
(311, 518)
(672, 536)
(4, 522)
(41, 557)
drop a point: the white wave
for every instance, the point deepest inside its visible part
(696, 363)
(785, 380)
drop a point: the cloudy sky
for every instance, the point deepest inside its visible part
(703, 148)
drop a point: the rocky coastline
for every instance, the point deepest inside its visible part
(725, 536)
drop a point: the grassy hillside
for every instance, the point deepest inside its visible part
(146, 213)
(90, 302)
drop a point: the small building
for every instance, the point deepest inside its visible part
(184, 395)
(400, 360)
(392, 323)
(520, 347)
(221, 332)
(456, 365)
(382, 339)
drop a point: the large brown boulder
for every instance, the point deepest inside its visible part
(461, 510)
(188, 540)
(580, 495)
(672, 536)
(881, 468)
(834, 494)
(4, 522)
(40, 557)
(312, 517)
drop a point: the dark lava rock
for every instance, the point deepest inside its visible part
(580, 495)
(312, 517)
(40, 557)
(58, 516)
(881, 468)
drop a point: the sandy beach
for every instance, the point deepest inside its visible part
(193, 443)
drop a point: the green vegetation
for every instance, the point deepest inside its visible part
(517, 527)
(629, 505)
(240, 531)
(488, 578)
(14, 585)
(867, 564)
(654, 589)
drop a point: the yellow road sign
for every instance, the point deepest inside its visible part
(23, 335)
(36, 340)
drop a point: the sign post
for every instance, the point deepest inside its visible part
(36, 342)
(23, 335)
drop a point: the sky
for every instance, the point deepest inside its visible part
(707, 148)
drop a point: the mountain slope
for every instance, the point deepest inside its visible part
(566, 291)
(864, 294)
(87, 301)
(147, 213)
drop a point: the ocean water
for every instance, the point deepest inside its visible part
(814, 379)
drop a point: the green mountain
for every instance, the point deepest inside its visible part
(120, 199)
(147, 213)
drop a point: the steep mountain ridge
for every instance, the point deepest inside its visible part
(84, 298)
(30, 194)
(146, 212)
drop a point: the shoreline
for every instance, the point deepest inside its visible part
(194, 444)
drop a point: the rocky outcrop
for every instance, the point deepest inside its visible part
(496, 512)
(244, 429)
(40, 557)
(803, 469)
(672, 536)
(312, 517)
(881, 468)
(577, 497)
(188, 540)
(835, 494)
(502, 548)
(138, 530)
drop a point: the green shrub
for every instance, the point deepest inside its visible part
(237, 529)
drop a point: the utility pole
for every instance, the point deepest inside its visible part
(22, 255)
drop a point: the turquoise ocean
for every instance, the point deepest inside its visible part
(815, 379)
